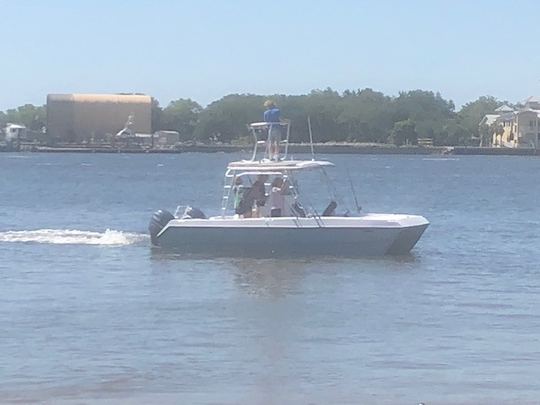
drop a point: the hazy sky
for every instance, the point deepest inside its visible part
(204, 49)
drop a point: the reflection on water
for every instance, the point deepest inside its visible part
(279, 277)
(272, 278)
(262, 277)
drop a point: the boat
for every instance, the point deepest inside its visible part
(299, 230)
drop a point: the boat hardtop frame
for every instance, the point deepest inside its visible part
(283, 167)
(257, 128)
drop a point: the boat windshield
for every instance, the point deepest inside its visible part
(296, 193)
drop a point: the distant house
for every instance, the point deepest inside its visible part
(515, 128)
(14, 133)
(166, 139)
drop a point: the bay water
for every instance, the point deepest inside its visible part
(91, 314)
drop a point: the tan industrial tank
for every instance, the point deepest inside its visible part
(85, 117)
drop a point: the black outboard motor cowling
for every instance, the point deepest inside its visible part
(159, 220)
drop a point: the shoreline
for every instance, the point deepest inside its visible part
(358, 149)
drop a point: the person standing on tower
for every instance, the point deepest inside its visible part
(272, 116)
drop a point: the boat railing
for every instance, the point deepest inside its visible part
(258, 128)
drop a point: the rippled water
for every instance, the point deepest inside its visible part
(90, 314)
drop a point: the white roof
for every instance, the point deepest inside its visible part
(490, 119)
(271, 166)
(265, 124)
(532, 99)
(15, 126)
(504, 108)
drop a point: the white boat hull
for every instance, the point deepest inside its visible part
(367, 235)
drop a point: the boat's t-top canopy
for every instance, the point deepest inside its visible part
(268, 166)
(264, 125)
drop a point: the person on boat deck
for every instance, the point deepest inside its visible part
(238, 191)
(272, 116)
(258, 194)
(253, 198)
(277, 197)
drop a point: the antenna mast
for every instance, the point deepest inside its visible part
(310, 137)
(358, 207)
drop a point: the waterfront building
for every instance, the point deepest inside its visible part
(166, 139)
(89, 118)
(14, 133)
(515, 127)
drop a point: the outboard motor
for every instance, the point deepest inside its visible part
(159, 220)
(193, 213)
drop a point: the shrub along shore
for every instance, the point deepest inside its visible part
(294, 149)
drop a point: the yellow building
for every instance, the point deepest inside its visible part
(515, 128)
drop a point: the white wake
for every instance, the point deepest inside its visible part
(73, 237)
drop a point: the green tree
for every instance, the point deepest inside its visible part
(452, 133)
(472, 113)
(428, 110)
(404, 132)
(34, 118)
(324, 107)
(485, 133)
(365, 116)
(226, 119)
(181, 115)
(156, 115)
(294, 108)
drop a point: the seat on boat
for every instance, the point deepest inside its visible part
(330, 210)
(193, 213)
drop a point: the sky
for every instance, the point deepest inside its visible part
(204, 50)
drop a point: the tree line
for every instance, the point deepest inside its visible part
(351, 116)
